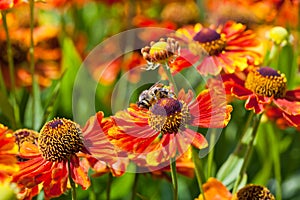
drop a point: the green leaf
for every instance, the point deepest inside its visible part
(228, 172)
(70, 64)
(287, 64)
(7, 108)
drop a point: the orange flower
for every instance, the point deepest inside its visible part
(215, 190)
(8, 151)
(159, 131)
(228, 48)
(252, 12)
(7, 4)
(262, 87)
(47, 164)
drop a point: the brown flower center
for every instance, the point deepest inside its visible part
(59, 139)
(266, 82)
(254, 192)
(168, 115)
(208, 40)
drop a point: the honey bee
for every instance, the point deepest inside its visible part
(158, 91)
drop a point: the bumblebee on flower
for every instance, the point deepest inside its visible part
(163, 131)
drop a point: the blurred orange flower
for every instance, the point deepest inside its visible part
(253, 12)
(7, 4)
(47, 52)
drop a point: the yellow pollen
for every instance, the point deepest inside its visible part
(59, 139)
(211, 48)
(266, 85)
(169, 123)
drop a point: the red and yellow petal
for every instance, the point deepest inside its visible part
(95, 139)
(289, 107)
(79, 174)
(293, 120)
(210, 110)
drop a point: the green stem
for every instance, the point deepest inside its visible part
(16, 123)
(2, 84)
(248, 153)
(92, 193)
(134, 187)
(170, 77)
(174, 177)
(240, 145)
(276, 158)
(211, 152)
(198, 170)
(73, 187)
(108, 188)
(31, 66)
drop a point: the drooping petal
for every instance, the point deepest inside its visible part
(252, 104)
(289, 107)
(79, 175)
(294, 120)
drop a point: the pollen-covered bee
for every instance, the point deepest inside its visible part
(158, 91)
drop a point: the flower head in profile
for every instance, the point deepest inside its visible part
(212, 49)
(161, 52)
(264, 86)
(58, 143)
(8, 151)
(159, 128)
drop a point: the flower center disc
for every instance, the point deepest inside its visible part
(59, 139)
(209, 40)
(168, 115)
(266, 82)
(158, 47)
(254, 192)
